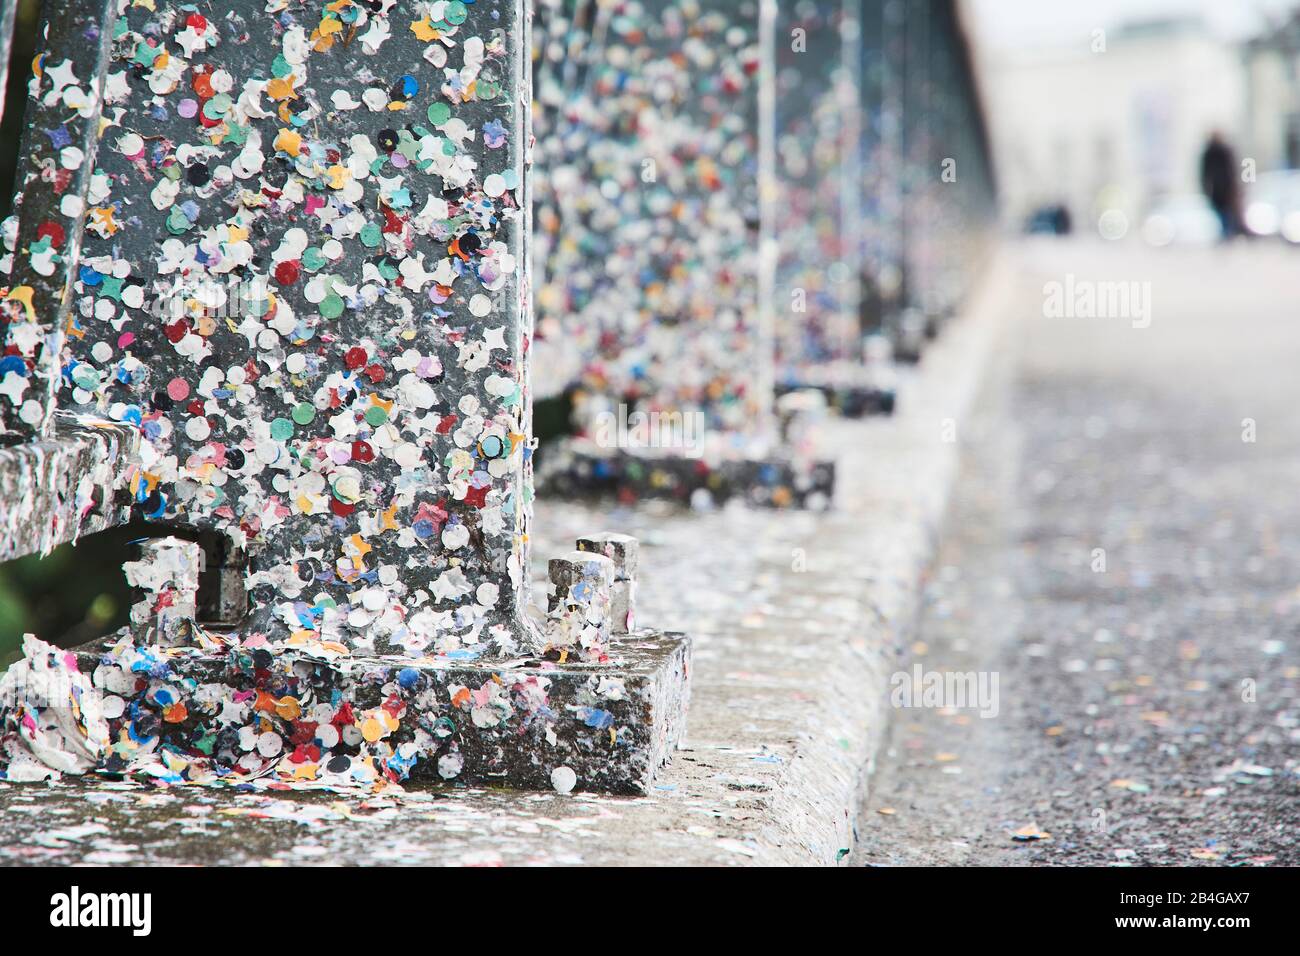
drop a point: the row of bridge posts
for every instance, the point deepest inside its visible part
(285, 281)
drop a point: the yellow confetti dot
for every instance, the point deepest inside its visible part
(372, 729)
(338, 176)
(103, 219)
(280, 88)
(23, 294)
(288, 142)
(424, 30)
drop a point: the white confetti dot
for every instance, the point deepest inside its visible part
(197, 428)
(71, 157)
(563, 779)
(31, 411)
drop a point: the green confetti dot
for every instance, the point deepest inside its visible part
(371, 235)
(313, 260)
(218, 106)
(375, 416)
(331, 307)
(303, 413)
(439, 113)
(456, 12)
(177, 222)
(282, 429)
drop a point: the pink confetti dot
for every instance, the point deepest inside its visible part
(178, 389)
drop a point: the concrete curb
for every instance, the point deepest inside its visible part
(895, 490)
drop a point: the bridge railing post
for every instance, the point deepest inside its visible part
(304, 285)
(659, 170)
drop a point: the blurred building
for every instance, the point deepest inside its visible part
(1272, 65)
(1115, 120)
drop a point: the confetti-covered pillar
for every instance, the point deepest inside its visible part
(304, 285)
(649, 168)
(304, 282)
(654, 262)
(948, 182)
(881, 149)
(59, 192)
(816, 146)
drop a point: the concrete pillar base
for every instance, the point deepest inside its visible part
(581, 469)
(849, 401)
(215, 709)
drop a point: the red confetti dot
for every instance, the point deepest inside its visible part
(376, 373)
(53, 230)
(355, 357)
(362, 452)
(202, 85)
(287, 273)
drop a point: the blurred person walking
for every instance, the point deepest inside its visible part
(1220, 184)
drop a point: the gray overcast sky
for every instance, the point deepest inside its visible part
(1000, 24)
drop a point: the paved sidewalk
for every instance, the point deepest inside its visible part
(1149, 712)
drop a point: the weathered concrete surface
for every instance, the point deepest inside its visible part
(73, 483)
(56, 157)
(797, 617)
(1149, 709)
